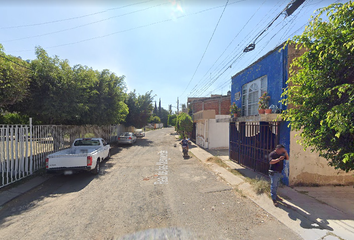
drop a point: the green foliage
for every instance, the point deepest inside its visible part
(263, 102)
(140, 108)
(13, 118)
(172, 120)
(164, 116)
(154, 119)
(14, 79)
(61, 94)
(321, 96)
(184, 123)
(234, 109)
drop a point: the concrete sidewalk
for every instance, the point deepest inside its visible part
(310, 218)
(13, 191)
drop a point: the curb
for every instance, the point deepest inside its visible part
(14, 192)
(340, 227)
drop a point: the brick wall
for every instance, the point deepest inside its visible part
(221, 104)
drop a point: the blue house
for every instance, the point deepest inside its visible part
(253, 136)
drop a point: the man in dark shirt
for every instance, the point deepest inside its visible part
(275, 170)
(184, 143)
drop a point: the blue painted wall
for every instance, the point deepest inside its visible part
(274, 65)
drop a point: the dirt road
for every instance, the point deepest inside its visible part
(139, 195)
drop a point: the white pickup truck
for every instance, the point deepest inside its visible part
(85, 154)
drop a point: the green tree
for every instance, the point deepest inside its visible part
(107, 100)
(61, 94)
(320, 93)
(154, 119)
(140, 109)
(172, 120)
(164, 116)
(14, 79)
(185, 123)
(155, 109)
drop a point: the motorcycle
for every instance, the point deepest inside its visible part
(185, 151)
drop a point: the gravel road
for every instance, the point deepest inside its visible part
(130, 200)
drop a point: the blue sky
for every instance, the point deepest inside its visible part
(156, 44)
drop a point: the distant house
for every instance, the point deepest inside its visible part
(207, 132)
(253, 136)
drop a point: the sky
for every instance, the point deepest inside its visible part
(176, 48)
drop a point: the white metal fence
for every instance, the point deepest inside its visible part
(23, 148)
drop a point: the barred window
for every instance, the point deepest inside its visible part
(251, 92)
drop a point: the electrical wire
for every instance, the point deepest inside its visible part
(84, 25)
(224, 61)
(228, 46)
(73, 18)
(134, 28)
(211, 37)
(20, 65)
(211, 82)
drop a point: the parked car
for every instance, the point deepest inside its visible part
(139, 133)
(85, 154)
(127, 138)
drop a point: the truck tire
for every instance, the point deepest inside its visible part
(96, 170)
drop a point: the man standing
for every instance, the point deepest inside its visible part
(275, 170)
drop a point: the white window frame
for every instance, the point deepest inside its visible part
(251, 92)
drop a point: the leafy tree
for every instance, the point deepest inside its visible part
(160, 109)
(164, 116)
(185, 123)
(14, 79)
(155, 110)
(154, 119)
(172, 120)
(13, 118)
(320, 93)
(106, 101)
(60, 94)
(140, 109)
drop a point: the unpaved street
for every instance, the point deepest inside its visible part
(127, 200)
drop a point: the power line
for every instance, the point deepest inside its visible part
(8, 59)
(201, 59)
(197, 91)
(265, 45)
(194, 88)
(201, 91)
(134, 28)
(84, 25)
(73, 18)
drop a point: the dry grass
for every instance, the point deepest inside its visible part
(259, 185)
(218, 161)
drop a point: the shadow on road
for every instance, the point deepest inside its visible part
(144, 142)
(57, 185)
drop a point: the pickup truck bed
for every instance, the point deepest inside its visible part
(79, 157)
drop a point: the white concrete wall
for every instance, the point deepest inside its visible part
(202, 133)
(218, 134)
(307, 168)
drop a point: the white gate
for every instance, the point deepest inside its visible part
(23, 148)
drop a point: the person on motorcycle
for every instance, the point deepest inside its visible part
(184, 143)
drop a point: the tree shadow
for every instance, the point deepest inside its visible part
(57, 185)
(144, 142)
